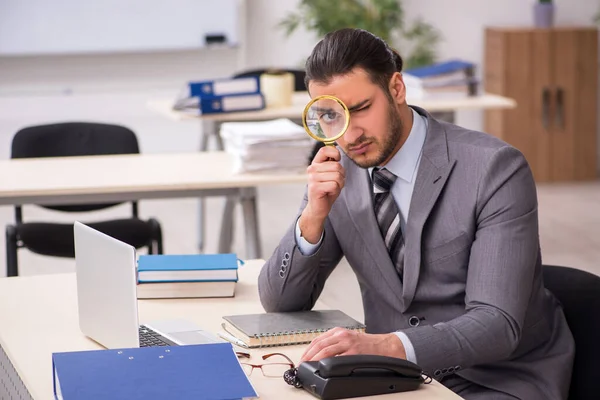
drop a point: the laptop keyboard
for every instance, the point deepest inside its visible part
(150, 338)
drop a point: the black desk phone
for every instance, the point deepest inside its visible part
(357, 375)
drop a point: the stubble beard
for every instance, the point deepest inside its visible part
(385, 148)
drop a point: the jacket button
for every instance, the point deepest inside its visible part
(437, 372)
(281, 273)
(286, 256)
(414, 321)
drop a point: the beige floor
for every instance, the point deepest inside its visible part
(569, 230)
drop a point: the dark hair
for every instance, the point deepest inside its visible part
(341, 51)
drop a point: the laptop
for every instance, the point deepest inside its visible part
(107, 299)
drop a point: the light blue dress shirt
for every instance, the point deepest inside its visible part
(404, 165)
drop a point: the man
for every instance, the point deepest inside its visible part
(440, 225)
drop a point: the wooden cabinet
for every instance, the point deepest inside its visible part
(553, 76)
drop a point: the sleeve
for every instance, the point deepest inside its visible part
(408, 347)
(306, 248)
(293, 281)
(502, 262)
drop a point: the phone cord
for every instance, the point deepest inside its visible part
(291, 377)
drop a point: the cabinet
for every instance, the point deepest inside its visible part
(553, 76)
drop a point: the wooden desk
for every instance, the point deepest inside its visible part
(39, 317)
(117, 178)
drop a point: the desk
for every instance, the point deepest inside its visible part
(118, 178)
(443, 107)
(46, 321)
(300, 99)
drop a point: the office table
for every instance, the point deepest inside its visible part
(118, 178)
(442, 107)
(45, 321)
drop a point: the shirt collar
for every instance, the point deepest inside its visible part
(404, 163)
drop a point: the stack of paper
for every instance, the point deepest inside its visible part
(454, 78)
(278, 145)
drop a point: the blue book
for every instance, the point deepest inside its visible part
(206, 371)
(442, 68)
(187, 268)
(224, 87)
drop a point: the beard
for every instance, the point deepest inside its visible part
(386, 146)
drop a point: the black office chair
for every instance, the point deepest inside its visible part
(579, 293)
(56, 239)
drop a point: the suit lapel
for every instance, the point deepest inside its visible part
(434, 170)
(360, 207)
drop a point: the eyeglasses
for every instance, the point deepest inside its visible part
(270, 370)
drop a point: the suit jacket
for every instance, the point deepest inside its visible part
(472, 279)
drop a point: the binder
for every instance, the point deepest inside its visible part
(151, 373)
(224, 87)
(230, 103)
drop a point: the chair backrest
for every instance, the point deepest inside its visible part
(73, 139)
(299, 75)
(579, 293)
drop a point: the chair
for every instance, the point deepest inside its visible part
(56, 239)
(579, 293)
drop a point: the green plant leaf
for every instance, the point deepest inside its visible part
(384, 18)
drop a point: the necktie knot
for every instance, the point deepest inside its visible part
(382, 180)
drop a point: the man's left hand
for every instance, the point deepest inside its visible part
(342, 342)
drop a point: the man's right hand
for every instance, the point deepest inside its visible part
(326, 178)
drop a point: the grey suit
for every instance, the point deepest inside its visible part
(472, 276)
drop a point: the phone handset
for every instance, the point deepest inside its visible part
(344, 366)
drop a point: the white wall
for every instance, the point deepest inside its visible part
(461, 23)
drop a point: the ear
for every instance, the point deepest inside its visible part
(397, 88)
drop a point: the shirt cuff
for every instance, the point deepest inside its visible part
(408, 347)
(307, 249)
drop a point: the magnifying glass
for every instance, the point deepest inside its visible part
(326, 119)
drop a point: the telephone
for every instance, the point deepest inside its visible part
(356, 375)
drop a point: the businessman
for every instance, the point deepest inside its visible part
(440, 225)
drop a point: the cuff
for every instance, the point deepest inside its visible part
(307, 249)
(408, 347)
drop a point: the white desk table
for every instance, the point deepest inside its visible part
(118, 178)
(39, 317)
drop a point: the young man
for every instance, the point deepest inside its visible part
(440, 225)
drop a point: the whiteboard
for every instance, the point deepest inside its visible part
(30, 27)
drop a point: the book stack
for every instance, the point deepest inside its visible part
(454, 78)
(191, 275)
(278, 145)
(221, 96)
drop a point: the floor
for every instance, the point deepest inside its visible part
(569, 214)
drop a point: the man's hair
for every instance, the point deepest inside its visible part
(341, 51)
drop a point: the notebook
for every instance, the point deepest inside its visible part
(280, 329)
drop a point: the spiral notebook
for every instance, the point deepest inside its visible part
(280, 329)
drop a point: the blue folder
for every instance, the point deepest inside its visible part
(206, 371)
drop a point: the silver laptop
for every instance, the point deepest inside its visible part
(107, 299)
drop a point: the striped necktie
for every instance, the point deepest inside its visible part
(388, 216)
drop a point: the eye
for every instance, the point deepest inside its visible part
(365, 108)
(329, 117)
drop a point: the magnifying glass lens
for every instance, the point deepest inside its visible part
(326, 118)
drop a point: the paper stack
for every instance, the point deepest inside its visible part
(454, 78)
(278, 145)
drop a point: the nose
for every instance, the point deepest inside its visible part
(354, 132)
